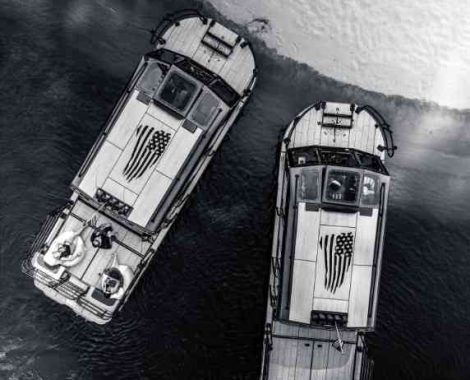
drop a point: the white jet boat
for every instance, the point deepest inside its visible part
(327, 244)
(176, 109)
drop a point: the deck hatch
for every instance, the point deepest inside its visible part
(112, 203)
(326, 318)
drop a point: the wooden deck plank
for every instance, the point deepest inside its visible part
(303, 364)
(337, 362)
(181, 40)
(330, 305)
(120, 192)
(303, 282)
(99, 168)
(187, 36)
(238, 69)
(329, 218)
(357, 131)
(369, 135)
(283, 359)
(150, 198)
(306, 242)
(126, 257)
(101, 261)
(364, 244)
(320, 360)
(316, 125)
(178, 151)
(165, 117)
(359, 297)
(297, 135)
(342, 138)
(127, 121)
(209, 58)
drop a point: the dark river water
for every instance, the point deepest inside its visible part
(199, 311)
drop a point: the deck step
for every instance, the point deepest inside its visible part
(337, 115)
(220, 39)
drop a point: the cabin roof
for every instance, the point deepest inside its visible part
(160, 125)
(127, 170)
(333, 244)
(333, 265)
(335, 207)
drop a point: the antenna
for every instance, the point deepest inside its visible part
(338, 343)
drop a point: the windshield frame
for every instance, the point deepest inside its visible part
(312, 156)
(193, 97)
(201, 74)
(328, 170)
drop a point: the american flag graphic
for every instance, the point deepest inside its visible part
(150, 145)
(337, 250)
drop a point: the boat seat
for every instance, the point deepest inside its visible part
(99, 296)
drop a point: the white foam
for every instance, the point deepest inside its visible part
(415, 49)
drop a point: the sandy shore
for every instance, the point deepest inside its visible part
(418, 50)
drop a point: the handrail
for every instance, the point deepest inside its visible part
(385, 128)
(316, 105)
(169, 20)
(65, 288)
(387, 133)
(45, 229)
(268, 346)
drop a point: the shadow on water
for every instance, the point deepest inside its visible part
(199, 310)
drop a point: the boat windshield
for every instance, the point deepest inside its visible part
(205, 110)
(151, 78)
(342, 186)
(199, 73)
(350, 158)
(178, 91)
(308, 185)
(370, 190)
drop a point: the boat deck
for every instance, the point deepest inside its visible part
(129, 246)
(303, 353)
(338, 125)
(79, 286)
(231, 59)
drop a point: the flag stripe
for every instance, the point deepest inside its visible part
(149, 146)
(140, 133)
(157, 151)
(143, 159)
(138, 155)
(337, 253)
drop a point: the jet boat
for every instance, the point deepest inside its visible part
(180, 102)
(327, 244)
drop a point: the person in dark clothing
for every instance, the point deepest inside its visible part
(103, 236)
(64, 250)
